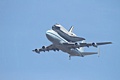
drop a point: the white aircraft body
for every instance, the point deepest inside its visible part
(72, 48)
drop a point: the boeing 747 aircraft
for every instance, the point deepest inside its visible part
(67, 44)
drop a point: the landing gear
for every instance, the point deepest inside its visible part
(98, 52)
(69, 57)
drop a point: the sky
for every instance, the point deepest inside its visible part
(23, 24)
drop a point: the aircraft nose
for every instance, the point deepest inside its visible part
(49, 34)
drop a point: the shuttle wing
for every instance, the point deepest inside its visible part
(77, 38)
(48, 48)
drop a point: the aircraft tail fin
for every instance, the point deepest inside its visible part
(71, 29)
(81, 49)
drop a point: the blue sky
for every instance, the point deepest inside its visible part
(23, 24)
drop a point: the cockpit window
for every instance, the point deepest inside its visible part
(55, 27)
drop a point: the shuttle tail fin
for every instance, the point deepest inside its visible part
(71, 29)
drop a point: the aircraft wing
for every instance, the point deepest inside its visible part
(48, 48)
(78, 45)
(94, 44)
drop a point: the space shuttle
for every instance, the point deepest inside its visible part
(67, 34)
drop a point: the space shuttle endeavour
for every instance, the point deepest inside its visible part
(67, 34)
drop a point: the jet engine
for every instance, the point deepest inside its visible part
(36, 50)
(76, 44)
(43, 47)
(94, 44)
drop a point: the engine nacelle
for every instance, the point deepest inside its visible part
(94, 44)
(36, 50)
(76, 44)
(57, 49)
(43, 47)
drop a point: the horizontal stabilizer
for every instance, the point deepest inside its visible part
(103, 43)
(88, 53)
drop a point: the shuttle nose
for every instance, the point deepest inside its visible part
(53, 27)
(56, 27)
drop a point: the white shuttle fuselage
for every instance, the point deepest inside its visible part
(68, 35)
